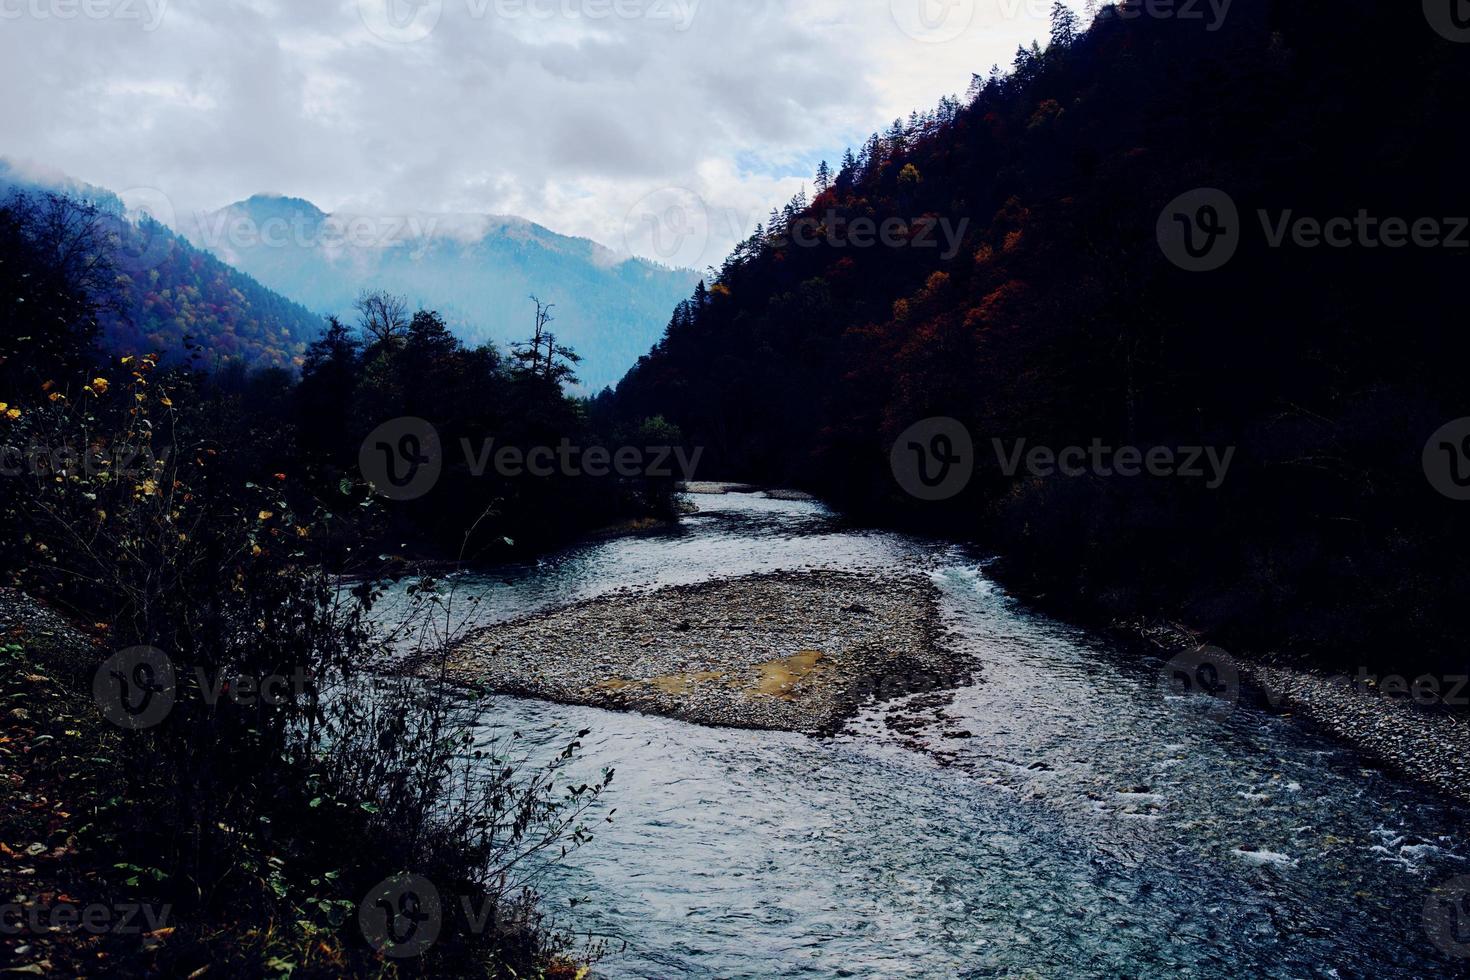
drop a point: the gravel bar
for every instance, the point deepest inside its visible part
(789, 651)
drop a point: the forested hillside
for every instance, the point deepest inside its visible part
(166, 294)
(1059, 318)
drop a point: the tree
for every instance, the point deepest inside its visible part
(897, 138)
(1026, 65)
(909, 177)
(335, 350)
(824, 178)
(57, 276)
(328, 388)
(382, 316)
(542, 357)
(1063, 26)
(776, 223)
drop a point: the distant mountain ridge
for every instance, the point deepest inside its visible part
(477, 270)
(174, 295)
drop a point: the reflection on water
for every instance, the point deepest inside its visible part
(1061, 817)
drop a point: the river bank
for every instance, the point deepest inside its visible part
(790, 651)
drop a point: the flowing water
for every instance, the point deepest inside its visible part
(1066, 817)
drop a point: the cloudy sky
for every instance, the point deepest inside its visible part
(620, 120)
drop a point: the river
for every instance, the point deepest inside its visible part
(1092, 824)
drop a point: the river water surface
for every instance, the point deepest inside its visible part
(1091, 824)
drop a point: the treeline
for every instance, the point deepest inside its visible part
(479, 404)
(1057, 318)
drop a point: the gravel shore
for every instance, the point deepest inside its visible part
(1429, 744)
(791, 651)
(715, 488)
(24, 619)
(1424, 744)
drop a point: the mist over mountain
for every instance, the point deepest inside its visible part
(478, 271)
(173, 298)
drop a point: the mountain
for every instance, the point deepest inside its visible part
(169, 290)
(478, 271)
(1168, 235)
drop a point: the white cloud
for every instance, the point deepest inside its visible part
(568, 112)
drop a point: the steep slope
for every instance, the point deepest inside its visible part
(1070, 313)
(478, 271)
(171, 291)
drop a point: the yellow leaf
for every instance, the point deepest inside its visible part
(266, 515)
